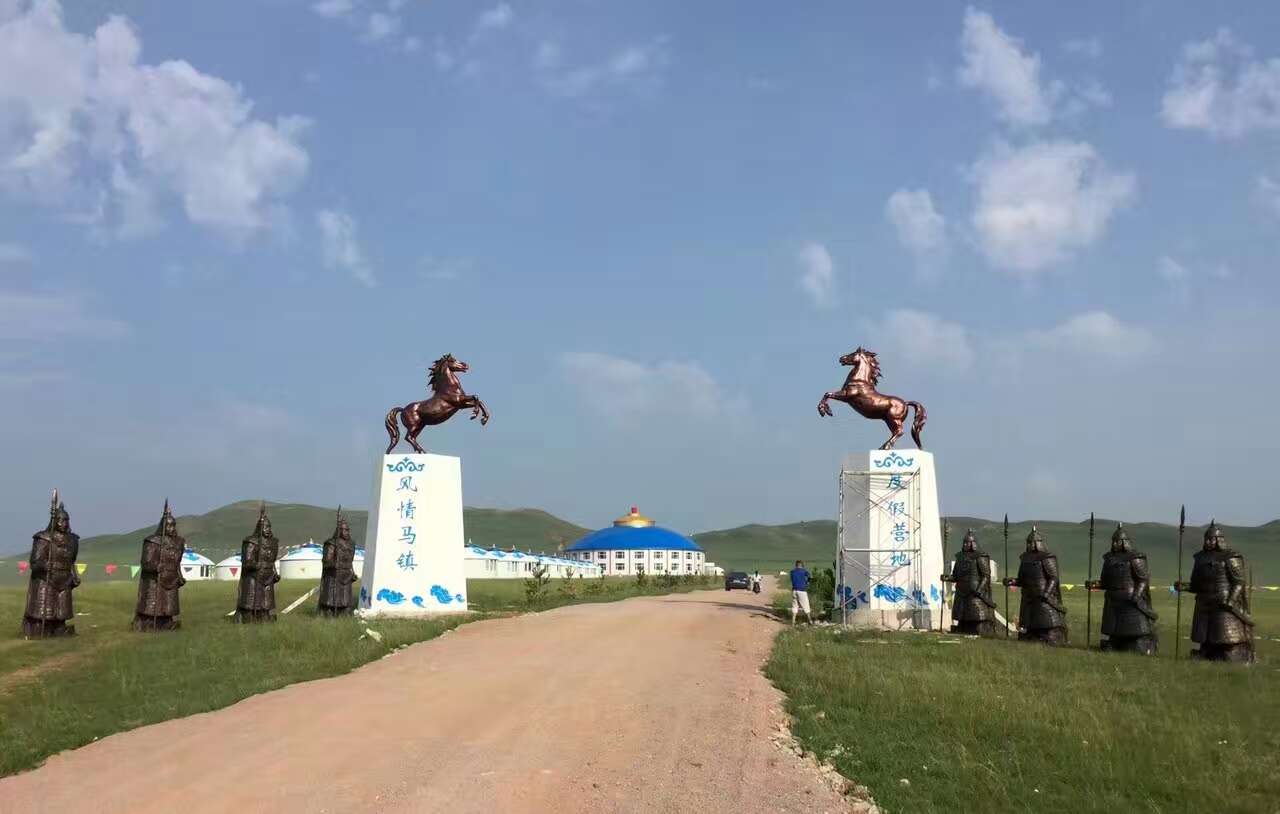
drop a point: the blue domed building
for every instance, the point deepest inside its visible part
(634, 542)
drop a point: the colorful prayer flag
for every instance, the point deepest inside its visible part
(81, 568)
(1068, 585)
(110, 568)
(133, 570)
(233, 570)
(22, 566)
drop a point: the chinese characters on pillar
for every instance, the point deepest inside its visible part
(408, 531)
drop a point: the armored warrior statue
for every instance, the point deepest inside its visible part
(257, 598)
(1222, 624)
(1041, 615)
(53, 577)
(161, 577)
(1128, 621)
(972, 608)
(337, 574)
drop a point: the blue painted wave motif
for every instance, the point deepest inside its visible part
(894, 459)
(889, 593)
(933, 593)
(406, 465)
(417, 600)
(390, 597)
(364, 597)
(442, 595)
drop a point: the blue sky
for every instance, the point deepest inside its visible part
(232, 235)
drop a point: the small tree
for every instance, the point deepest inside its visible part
(642, 579)
(568, 588)
(535, 587)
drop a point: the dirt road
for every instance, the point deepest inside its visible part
(648, 705)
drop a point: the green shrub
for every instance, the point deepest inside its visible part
(535, 586)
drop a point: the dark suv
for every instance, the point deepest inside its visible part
(737, 579)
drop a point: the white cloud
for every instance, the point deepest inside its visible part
(1096, 333)
(1090, 47)
(996, 64)
(625, 389)
(1039, 203)
(1221, 88)
(32, 316)
(1176, 276)
(635, 65)
(921, 339)
(13, 253)
(380, 26)
(498, 17)
(1267, 194)
(95, 133)
(333, 8)
(340, 245)
(817, 274)
(1002, 67)
(1171, 270)
(920, 227)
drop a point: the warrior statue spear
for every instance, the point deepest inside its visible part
(946, 529)
(1088, 591)
(1005, 568)
(1177, 624)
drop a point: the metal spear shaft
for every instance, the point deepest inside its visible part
(1088, 591)
(1177, 624)
(1005, 568)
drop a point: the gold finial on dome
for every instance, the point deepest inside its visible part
(634, 519)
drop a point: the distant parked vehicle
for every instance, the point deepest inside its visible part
(737, 579)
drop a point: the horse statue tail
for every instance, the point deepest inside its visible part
(393, 429)
(918, 424)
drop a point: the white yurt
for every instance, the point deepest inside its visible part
(196, 566)
(227, 570)
(302, 562)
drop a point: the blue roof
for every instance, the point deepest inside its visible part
(632, 537)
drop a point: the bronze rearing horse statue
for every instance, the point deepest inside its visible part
(859, 392)
(447, 398)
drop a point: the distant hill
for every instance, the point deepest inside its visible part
(776, 547)
(218, 533)
(770, 548)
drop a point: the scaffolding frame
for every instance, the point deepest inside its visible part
(867, 485)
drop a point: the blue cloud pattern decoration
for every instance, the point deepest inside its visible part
(933, 593)
(442, 595)
(894, 459)
(406, 465)
(417, 600)
(888, 593)
(390, 597)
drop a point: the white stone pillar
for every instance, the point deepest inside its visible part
(413, 559)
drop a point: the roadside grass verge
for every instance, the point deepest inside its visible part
(62, 693)
(990, 725)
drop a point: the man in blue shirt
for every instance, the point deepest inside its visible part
(800, 593)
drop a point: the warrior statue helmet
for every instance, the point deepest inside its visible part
(1214, 538)
(264, 523)
(1035, 540)
(1120, 539)
(970, 541)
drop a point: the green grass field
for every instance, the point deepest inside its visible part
(59, 694)
(1004, 726)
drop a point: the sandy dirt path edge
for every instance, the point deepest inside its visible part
(654, 704)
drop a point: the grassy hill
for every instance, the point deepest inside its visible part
(770, 548)
(776, 547)
(218, 533)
